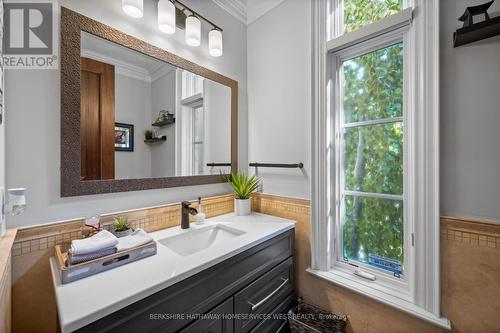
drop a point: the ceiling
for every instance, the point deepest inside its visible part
(126, 61)
(247, 11)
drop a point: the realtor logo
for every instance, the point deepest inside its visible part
(29, 35)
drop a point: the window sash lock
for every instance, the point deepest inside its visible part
(365, 275)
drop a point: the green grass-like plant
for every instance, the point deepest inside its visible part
(243, 186)
(121, 223)
(148, 134)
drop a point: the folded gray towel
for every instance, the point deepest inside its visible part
(74, 259)
(100, 241)
(137, 238)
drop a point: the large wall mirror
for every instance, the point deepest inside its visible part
(136, 117)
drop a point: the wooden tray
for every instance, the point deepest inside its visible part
(79, 271)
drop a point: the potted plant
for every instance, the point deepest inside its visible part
(121, 227)
(148, 134)
(243, 188)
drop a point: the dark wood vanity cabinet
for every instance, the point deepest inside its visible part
(250, 292)
(216, 320)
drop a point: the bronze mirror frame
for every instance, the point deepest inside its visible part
(72, 23)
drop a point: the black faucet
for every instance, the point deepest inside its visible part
(186, 210)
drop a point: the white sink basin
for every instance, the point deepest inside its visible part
(196, 240)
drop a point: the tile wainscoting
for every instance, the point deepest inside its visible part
(470, 272)
(33, 302)
(6, 242)
(470, 251)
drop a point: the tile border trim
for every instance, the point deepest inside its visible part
(45, 237)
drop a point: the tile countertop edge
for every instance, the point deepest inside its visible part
(72, 325)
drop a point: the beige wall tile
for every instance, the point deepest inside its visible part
(469, 264)
(470, 272)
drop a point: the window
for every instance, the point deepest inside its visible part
(198, 134)
(375, 181)
(358, 13)
(371, 228)
(370, 163)
(190, 125)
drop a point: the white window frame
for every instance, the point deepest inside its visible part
(419, 293)
(195, 143)
(400, 286)
(186, 142)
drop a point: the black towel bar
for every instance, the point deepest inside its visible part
(218, 164)
(277, 165)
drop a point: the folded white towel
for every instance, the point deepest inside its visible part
(102, 240)
(137, 238)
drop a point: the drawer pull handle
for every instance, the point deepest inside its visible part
(264, 300)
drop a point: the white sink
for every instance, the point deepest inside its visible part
(196, 240)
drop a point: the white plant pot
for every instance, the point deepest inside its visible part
(123, 233)
(242, 207)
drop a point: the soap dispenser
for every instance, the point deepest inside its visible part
(200, 217)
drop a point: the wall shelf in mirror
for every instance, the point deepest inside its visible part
(164, 118)
(156, 140)
(164, 122)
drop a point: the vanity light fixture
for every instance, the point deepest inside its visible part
(193, 31)
(215, 42)
(133, 8)
(166, 16)
(171, 14)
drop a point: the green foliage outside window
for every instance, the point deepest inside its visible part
(358, 13)
(373, 154)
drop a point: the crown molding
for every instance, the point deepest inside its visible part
(236, 8)
(121, 67)
(247, 11)
(258, 8)
(161, 72)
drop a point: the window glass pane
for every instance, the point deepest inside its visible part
(198, 134)
(373, 232)
(198, 125)
(358, 13)
(373, 158)
(197, 159)
(373, 85)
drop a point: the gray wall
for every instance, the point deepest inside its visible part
(33, 125)
(163, 98)
(279, 76)
(279, 108)
(470, 120)
(2, 161)
(217, 108)
(132, 106)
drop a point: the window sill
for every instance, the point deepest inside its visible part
(403, 305)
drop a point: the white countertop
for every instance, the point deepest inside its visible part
(84, 301)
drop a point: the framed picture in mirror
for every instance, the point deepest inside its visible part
(124, 137)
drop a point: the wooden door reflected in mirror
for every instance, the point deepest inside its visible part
(97, 122)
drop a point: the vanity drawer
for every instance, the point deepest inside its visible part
(263, 295)
(277, 324)
(200, 293)
(215, 322)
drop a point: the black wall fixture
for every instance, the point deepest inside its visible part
(470, 31)
(277, 165)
